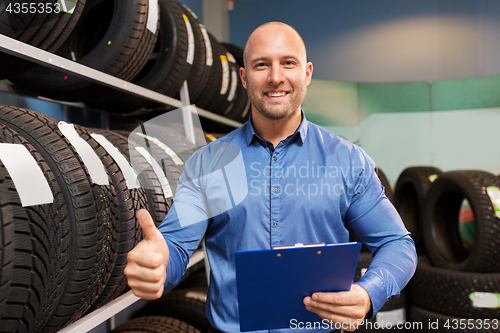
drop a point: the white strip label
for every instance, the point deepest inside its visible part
(90, 159)
(31, 184)
(230, 57)
(247, 108)
(167, 191)
(391, 317)
(152, 22)
(234, 83)
(196, 295)
(485, 300)
(190, 54)
(225, 75)
(127, 170)
(494, 194)
(210, 57)
(167, 149)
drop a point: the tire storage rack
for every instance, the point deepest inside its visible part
(454, 219)
(75, 280)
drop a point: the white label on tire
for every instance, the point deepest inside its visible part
(190, 54)
(196, 295)
(485, 300)
(391, 318)
(67, 6)
(152, 22)
(494, 194)
(210, 57)
(247, 108)
(225, 75)
(93, 163)
(127, 170)
(167, 191)
(234, 83)
(26, 175)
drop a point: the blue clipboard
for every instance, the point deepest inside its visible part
(272, 283)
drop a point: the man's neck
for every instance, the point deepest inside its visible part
(275, 131)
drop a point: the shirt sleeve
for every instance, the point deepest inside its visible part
(377, 223)
(186, 222)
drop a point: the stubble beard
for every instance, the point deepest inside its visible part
(275, 111)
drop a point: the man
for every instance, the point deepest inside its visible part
(305, 186)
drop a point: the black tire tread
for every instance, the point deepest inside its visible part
(124, 62)
(42, 132)
(447, 292)
(130, 201)
(409, 194)
(168, 73)
(6, 236)
(426, 317)
(440, 222)
(187, 305)
(156, 324)
(199, 72)
(43, 250)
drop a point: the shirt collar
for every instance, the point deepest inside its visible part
(251, 133)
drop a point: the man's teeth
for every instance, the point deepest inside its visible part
(276, 94)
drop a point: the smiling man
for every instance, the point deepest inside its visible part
(307, 185)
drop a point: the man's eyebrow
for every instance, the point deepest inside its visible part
(284, 58)
(259, 59)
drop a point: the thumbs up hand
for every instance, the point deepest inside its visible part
(146, 268)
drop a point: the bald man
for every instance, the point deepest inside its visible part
(305, 185)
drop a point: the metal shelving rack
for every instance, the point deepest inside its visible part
(41, 57)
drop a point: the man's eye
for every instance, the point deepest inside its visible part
(289, 63)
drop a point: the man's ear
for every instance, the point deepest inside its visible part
(243, 75)
(309, 72)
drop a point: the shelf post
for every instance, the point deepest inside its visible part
(186, 113)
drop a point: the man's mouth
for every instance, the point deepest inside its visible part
(276, 93)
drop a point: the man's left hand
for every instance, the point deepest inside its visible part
(348, 308)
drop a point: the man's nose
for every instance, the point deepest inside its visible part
(276, 75)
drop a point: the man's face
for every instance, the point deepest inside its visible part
(276, 73)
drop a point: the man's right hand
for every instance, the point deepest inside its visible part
(147, 263)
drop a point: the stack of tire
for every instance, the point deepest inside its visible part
(68, 201)
(181, 310)
(411, 188)
(156, 50)
(457, 282)
(44, 24)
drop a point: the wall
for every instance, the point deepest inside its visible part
(385, 75)
(385, 40)
(450, 124)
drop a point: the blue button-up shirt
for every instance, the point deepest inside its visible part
(244, 194)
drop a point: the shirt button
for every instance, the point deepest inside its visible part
(275, 189)
(275, 224)
(275, 158)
